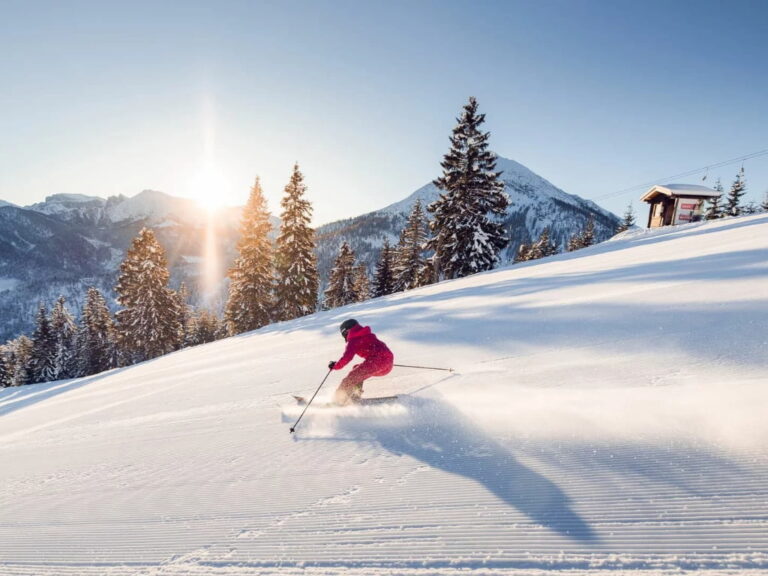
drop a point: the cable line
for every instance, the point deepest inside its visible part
(683, 174)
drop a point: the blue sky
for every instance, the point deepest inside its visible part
(103, 98)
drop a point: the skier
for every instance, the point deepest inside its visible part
(377, 357)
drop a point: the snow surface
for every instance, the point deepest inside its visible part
(695, 188)
(607, 414)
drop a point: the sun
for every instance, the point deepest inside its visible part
(208, 186)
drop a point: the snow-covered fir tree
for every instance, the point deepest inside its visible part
(42, 363)
(185, 314)
(64, 331)
(714, 210)
(384, 280)
(523, 253)
(6, 372)
(20, 357)
(588, 235)
(543, 247)
(628, 220)
(467, 234)
(96, 336)
(205, 327)
(148, 322)
(585, 238)
(735, 194)
(751, 207)
(341, 288)
(250, 302)
(296, 279)
(361, 283)
(411, 268)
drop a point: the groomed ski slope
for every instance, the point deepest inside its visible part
(608, 414)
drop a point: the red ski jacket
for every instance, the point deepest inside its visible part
(363, 342)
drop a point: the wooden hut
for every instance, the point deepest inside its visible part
(673, 204)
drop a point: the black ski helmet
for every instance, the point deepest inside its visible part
(347, 325)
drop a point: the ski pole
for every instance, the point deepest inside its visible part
(423, 367)
(293, 428)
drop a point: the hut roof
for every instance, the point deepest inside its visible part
(677, 190)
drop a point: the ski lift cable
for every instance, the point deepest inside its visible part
(708, 167)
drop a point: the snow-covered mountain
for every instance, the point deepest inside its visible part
(535, 204)
(149, 206)
(70, 242)
(606, 415)
(42, 257)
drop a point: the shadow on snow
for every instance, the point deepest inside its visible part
(444, 439)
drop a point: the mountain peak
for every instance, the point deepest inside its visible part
(153, 194)
(72, 198)
(70, 206)
(155, 206)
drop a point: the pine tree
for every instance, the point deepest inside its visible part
(628, 221)
(384, 280)
(588, 235)
(6, 371)
(466, 233)
(42, 363)
(543, 247)
(148, 323)
(96, 336)
(764, 204)
(341, 291)
(185, 315)
(250, 302)
(574, 243)
(714, 211)
(738, 189)
(750, 208)
(205, 327)
(361, 283)
(296, 279)
(410, 263)
(523, 253)
(21, 360)
(64, 332)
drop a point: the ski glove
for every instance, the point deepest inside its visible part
(331, 364)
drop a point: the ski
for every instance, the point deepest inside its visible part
(301, 401)
(377, 400)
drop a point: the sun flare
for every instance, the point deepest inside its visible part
(208, 187)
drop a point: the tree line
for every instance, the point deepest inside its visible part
(730, 204)
(153, 320)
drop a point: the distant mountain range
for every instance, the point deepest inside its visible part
(70, 242)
